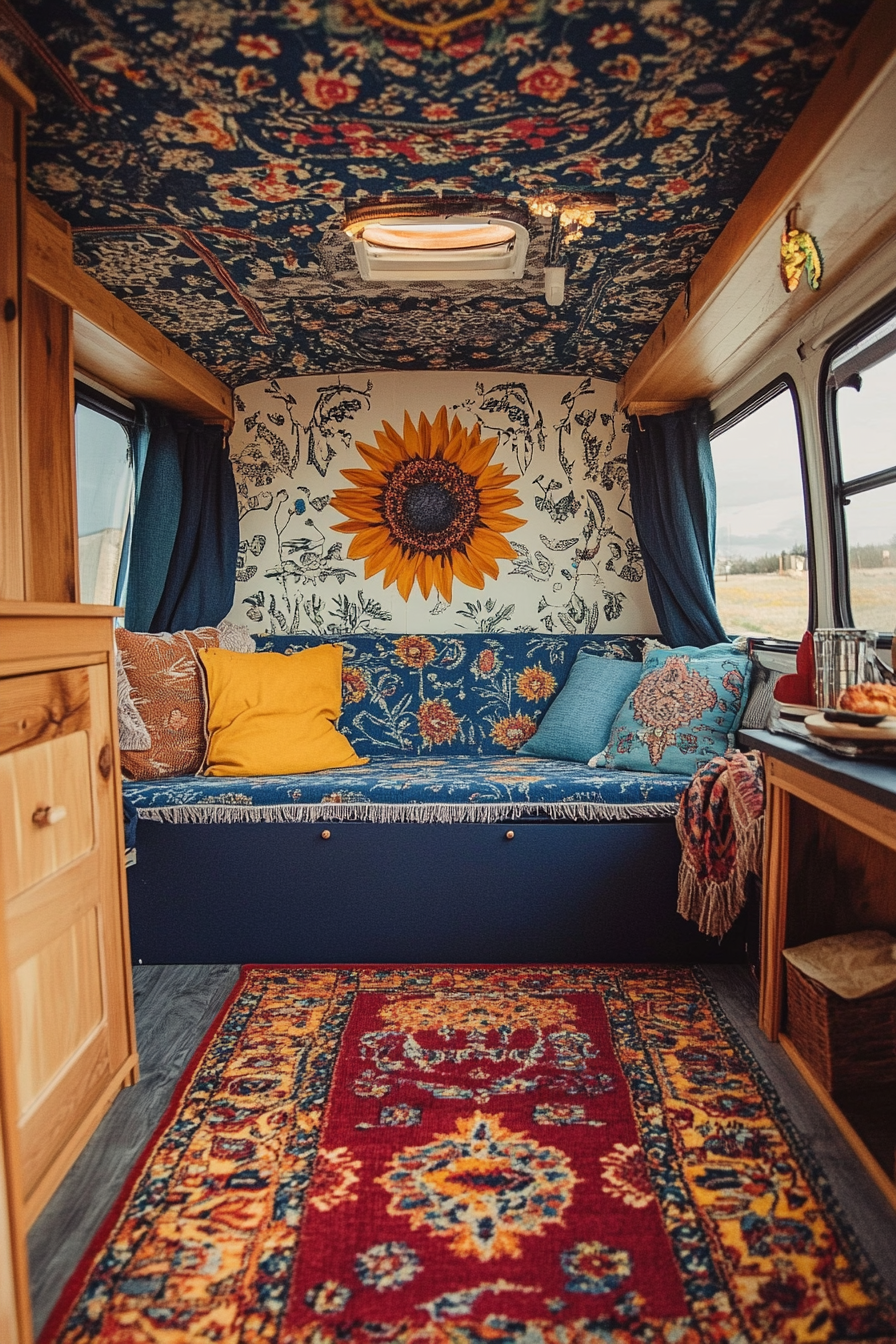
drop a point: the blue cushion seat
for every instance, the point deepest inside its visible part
(450, 788)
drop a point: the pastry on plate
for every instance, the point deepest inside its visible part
(869, 697)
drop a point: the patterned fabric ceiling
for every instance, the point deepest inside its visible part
(202, 150)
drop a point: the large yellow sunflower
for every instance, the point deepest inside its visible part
(430, 508)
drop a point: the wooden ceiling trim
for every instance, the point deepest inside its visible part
(111, 341)
(734, 303)
(12, 88)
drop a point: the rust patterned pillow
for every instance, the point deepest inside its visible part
(169, 691)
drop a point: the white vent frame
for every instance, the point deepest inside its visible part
(444, 266)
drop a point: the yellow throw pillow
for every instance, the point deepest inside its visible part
(275, 713)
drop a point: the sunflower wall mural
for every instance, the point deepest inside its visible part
(434, 503)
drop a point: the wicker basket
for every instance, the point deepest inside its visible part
(847, 1043)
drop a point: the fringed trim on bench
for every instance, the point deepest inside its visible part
(422, 812)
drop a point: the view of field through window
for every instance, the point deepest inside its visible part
(105, 489)
(866, 413)
(762, 581)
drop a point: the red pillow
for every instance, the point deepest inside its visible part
(799, 687)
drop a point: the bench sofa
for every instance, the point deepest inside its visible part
(448, 846)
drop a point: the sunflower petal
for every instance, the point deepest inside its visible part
(492, 543)
(381, 462)
(443, 577)
(457, 446)
(393, 568)
(406, 577)
(503, 524)
(411, 438)
(484, 561)
(495, 474)
(366, 480)
(364, 510)
(393, 440)
(466, 571)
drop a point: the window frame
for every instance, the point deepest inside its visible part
(93, 399)
(782, 383)
(838, 490)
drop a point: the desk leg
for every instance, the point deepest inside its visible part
(774, 908)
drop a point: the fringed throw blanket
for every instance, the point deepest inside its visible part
(720, 827)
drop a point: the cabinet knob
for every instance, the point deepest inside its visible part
(48, 816)
(325, 835)
(509, 835)
(104, 761)
(9, 310)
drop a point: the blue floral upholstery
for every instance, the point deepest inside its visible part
(440, 716)
(457, 695)
(443, 788)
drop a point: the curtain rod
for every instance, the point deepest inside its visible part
(107, 391)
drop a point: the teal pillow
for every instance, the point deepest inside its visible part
(684, 710)
(578, 721)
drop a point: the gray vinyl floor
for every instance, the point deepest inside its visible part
(176, 1005)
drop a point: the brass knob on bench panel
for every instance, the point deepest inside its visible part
(325, 835)
(509, 835)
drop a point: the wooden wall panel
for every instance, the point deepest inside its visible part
(112, 342)
(49, 387)
(12, 570)
(837, 162)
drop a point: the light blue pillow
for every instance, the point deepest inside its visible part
(578, 721)
(684, 710)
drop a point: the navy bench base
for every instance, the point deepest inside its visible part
(412, 892)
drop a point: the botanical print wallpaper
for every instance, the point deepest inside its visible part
(435, 502)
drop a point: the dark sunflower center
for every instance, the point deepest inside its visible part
(430, 506)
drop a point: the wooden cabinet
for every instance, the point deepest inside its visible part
(62, 880)
(830, 868)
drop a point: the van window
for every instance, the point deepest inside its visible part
(105, 485)
(762, 570)
(861, 393)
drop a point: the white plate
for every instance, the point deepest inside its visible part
(852, 732)
(795, 711)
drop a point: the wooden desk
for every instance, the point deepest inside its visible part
(829, 867)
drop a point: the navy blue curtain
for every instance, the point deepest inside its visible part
(674, 506)
(186, 528)
(158, 490)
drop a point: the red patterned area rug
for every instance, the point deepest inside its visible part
(568, 1155)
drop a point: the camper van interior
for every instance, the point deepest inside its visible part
(447, 708)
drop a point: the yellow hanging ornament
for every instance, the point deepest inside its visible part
(799, 253)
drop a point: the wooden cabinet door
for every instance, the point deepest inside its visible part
(61, 875)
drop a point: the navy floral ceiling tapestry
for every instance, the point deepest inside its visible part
(435, 503)
(203, 149)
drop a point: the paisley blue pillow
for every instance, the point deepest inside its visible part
(684, 710)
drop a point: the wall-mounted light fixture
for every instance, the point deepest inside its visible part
(575, 212)
(431, 238)
(569, 215)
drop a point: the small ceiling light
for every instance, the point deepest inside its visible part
(575, 212)
(430, 239)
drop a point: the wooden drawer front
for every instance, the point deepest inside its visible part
(57, 1003)
(53, 775)
(43, 706)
